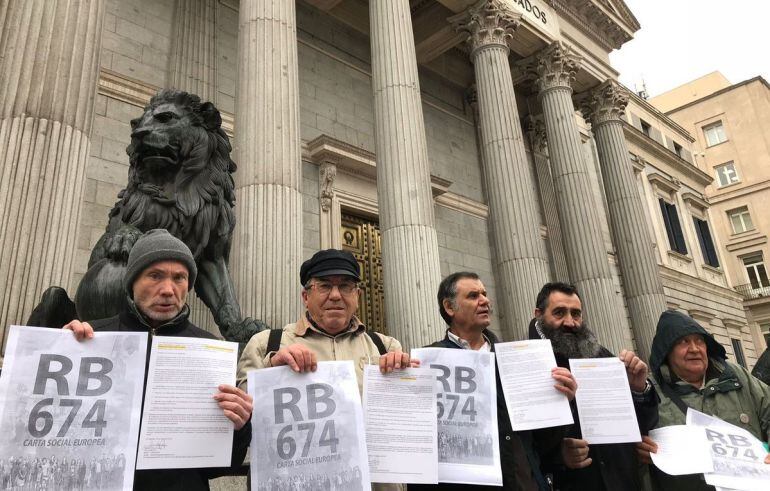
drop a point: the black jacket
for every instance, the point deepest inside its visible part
(614, 466)
(762, 368)
(174, 479)
(518, 458)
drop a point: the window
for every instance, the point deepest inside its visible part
(765, 329)
(740, 219)
(706, 244)
(715, 134)
(738, 350)
(646, 128)
(673, 228)
(678, 149)
(726, 174)
(755, 269)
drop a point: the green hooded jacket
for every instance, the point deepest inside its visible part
(730, 393)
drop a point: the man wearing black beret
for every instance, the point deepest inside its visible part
(328, 330)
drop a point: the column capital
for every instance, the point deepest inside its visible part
(488, 23)
(605, 103)
(553, 67)
(538, 140)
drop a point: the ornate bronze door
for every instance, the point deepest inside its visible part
(361, 237)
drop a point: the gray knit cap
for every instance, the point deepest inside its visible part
(157, 245)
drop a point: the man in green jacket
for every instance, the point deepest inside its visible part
(690, 370)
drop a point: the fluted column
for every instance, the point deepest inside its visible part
(49, 67)
(539, 146)
(193, 60)
(409, 246)
(268, 238)
(589, 269)
(641, 277)
(521, 264)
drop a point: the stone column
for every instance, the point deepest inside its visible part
(268, 237)
(587, 262)
(539, 146)
(409, 247)
(193, 62)
(520, 259)
(49, 68)
(641, 277)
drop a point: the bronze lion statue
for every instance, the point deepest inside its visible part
(179, 178)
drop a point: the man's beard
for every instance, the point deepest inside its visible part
(580, 343)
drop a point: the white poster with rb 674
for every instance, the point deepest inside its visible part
(69, 410)
(308, 429)
(468, 451)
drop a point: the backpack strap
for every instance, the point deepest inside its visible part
(274, 341)
(377, 340)
(669, 392)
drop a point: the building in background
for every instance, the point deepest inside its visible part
(731, 124)
(426, 136)
(682, 222)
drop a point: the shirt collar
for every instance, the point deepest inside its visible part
(486, 347)
(307, 323)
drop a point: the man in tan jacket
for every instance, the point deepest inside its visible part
(329, 329)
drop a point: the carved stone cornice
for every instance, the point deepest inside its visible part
(488, 23)
(554, 67)
(535, 128)
(605, 103)
(327, 172)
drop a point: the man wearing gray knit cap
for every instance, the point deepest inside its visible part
(160, 272)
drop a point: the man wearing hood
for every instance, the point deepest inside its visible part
(576, 465)
(690, 370)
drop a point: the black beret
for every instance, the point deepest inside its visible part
(329, 262)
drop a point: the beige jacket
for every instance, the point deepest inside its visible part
(352, 344)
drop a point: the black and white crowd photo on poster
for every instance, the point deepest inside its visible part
(46, 472)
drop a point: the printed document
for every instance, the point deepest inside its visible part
(530, 396)
(605, 408)
(682, 449)
(182, 425)
(400, 419)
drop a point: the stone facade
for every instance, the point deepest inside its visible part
(475, 187)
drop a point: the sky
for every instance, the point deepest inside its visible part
(681, 40)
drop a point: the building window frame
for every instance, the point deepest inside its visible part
(676, 239)
(646, 127)
(740, 357)
(756, 271)
(714, 133)
(703, 231)
(728, 172)
(740, 220)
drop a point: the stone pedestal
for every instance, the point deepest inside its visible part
(267, 247)
(409, 246)
(193, 62)
(641, 277)
(587, 262)
(520, 260)
(49, 68)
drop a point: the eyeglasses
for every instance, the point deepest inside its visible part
(325, 288)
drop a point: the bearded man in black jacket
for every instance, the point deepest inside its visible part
(576, 465)
(160, 272)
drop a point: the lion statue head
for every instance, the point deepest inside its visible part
(180, 174)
